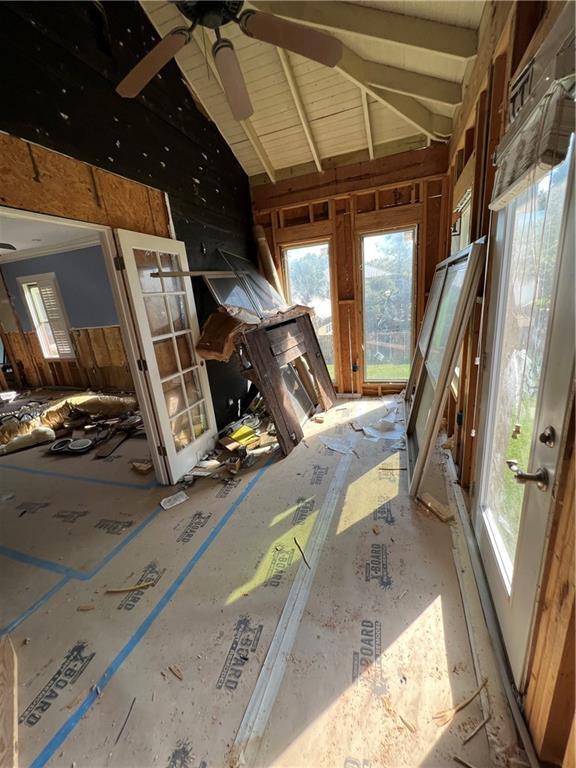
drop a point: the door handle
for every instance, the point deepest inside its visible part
(540, 477)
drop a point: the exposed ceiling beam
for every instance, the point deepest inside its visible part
(294, 90)
(247, 126)
(435, 126)
(366, 111)
(412, 83)
(377, 24)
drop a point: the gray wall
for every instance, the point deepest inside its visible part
(83, 283)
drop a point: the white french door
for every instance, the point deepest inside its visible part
(172, 384)
(532, 368)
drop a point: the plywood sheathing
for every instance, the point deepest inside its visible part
(224, 562)
(37, 179)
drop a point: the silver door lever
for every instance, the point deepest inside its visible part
(540, 477)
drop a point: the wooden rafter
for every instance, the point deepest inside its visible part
(424, 120)
(378, 24)
(294, 90)
(367, 125)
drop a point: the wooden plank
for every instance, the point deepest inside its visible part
(8, 704)
(389, 218)
(316, 363)
(303, 233)
(496, 122)
(480, 141)
(404, 166)
(550, 698)
(271, 386)
(288, 355)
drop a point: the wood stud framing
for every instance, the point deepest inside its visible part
(339, 208)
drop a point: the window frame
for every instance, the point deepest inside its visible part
(24, 281)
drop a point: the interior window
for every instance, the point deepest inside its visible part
(387, 282)
(48, 316)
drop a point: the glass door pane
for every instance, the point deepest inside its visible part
(534, 227)
(167, 330)
(387, 277)
(308, 282)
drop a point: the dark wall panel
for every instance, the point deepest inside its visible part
(62, 62)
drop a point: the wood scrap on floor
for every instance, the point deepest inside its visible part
(445, 716)
(8, 704)
(118, 590)
(441, 511)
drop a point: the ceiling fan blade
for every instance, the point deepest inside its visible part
(232, 79)
(139, 77)
(297, 38)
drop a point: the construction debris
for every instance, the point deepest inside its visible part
(476, 730)
(176, 671)
(445, 716)
(171, 501)
(86, 607)
(144, 585)
(441, 511)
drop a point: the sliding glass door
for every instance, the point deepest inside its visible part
(388, 291)
(307, 270)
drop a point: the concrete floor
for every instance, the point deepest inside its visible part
(243, 652)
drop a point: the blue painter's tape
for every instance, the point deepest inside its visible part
(80, 478)
(66, 729)
(38, 562)
(34, 607)
(48, 565)
(69, 572)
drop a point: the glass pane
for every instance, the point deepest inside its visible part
(308, 276)
(388, 267)
(181, 431)
(430, 311)
(147, 262)
(178, 312)
(535, 219)
(199, 420)
(171, 263)
(157, 315)
(445, 317)
(166, 358)
(229, 291)
(192, 385)
(301, 403)
(423, 411)
(174, 396)
(185, 350)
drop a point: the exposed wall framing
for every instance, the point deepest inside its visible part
(339, 206)
(509, 36)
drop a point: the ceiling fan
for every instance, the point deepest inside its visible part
(212, 14)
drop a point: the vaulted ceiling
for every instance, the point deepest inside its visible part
(396, 87)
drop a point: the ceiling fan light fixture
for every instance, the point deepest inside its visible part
(297, 38)
(232, 79)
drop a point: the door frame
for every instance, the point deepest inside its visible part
(359, 270)
(105, 238)
(551, 387)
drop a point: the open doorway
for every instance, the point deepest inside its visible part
(388, 266)
(86, 309)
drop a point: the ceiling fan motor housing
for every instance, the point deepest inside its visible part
(210, 13)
